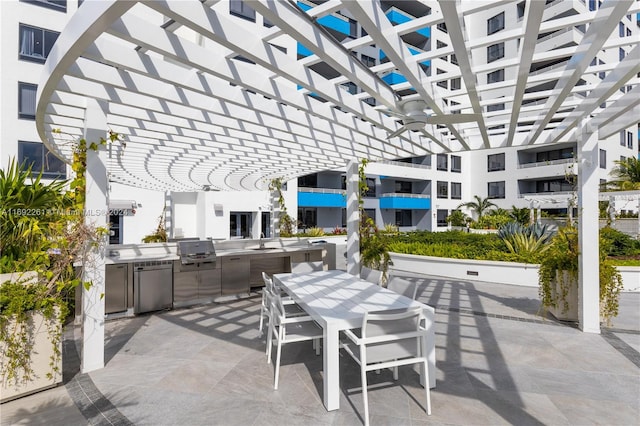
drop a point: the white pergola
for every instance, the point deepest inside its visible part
(203, 100)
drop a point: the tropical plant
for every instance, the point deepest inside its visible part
(480, 206)
(626, 174)
(493, 219)
(390, 229)
(286, 222)
(374, 245)
(522, 216)
(314, 232)
(160, 233)
(458, 218)
(339, 231)
(559, 271)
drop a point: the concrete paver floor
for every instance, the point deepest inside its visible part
(498, 362)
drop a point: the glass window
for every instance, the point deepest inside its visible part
(456, 191)
(495, 52)
(629, 140)
(371, 188)
(442, 27)
(603, 159)
(495, 107)
(441, 217)
(454, 60)
(36, 43)
(621, 29)
(50, 4)
(442, 189)
(456, 83)
(27, 100)
(368, 60)
(403, 218)
(623, 141)
(456, 163)
(495, 24)
(307, 217)
(242, 10)
(350, 87)
(495, 162)
(495, 189)
(308, 181)
(495, 76)
(442, 162)
(521, 8)
(38, 156)
(403, 187)
(353, 28)
(621, 53)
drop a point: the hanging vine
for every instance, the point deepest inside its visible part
(286, 222)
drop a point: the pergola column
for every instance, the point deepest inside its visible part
(353, 219)
(96, 211)
(588, 230)
(274, 217)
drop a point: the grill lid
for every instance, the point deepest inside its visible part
(196, 251)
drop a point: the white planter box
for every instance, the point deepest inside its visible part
(565, 311)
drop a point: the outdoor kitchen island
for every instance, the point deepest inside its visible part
(195, 271)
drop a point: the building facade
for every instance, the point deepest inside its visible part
(411, 193)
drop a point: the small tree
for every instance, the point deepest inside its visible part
(480, 206)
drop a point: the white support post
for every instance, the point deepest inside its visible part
(96, 211)
(588, 230)
(353, 219)
(274, 218)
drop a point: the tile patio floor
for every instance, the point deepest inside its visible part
(498, 362)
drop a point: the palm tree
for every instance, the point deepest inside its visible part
(480, 206)
(521, 216)
(626, 174)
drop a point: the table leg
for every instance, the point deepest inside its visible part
(429, 347)
(331, 368)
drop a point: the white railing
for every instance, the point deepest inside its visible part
(403, 164)
(546, 163)
(547, 196)
(550, 68)
(322, 190)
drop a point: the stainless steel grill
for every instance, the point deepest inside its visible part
(200, 251)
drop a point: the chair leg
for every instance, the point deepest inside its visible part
(426, 387)
(316, 343)
(395, 373)
(365, 398)
(269, 341)
(261, 319)
(277, 374)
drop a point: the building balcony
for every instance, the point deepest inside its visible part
(547, 163)
(321, 197)
(405, 201)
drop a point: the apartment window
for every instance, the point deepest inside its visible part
(441, 217)
(521, 8)
(36, 43)
(495, 107)
(495, 162)
(629, 140)
(242, 10)
(495, 76)
(444, 84)
(371, 213)
(370, 101)
(456, 163)
(27, 101)
(592, 5)
(495, 52)
(442, 27)
(621, 29)
(60, 5)
(456, 191)
(553, 185)
(371, 188)
(603, 159)
(308, 181)
(350, 87)
(456, 83)
(308, 217)
(353, 28)
(403, 187)
(267, 23)
(442, 162)
(403, 218)
(440, 44)
(454, 60)
(495, 24)
(555, 154)
(623, 138)
(495, 189)
(38, 156)
(442, 189)
(368, 60)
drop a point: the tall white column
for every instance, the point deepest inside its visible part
(96, 211)
(274, 217)
(353, 219)
(588, 230)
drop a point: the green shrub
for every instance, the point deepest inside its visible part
(617, 243)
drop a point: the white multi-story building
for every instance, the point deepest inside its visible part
(413, 193)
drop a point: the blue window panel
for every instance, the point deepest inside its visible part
(303, 51)
(405, 203)
(318, 199)
(329, 21)
(396, 17)
(394, 78)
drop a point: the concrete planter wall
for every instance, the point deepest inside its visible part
(524, 274)
(560, 311)
(41, 353)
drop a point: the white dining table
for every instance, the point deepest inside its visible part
(338, 301)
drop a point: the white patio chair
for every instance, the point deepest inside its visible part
(372, 275)
(303, 267)
(284, 329)
(388, 339)
(292, 308)
(403, 287)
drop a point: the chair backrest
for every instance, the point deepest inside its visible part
(372, 275)
(267, 280)
(302, 267)
(388, 335)
(404, 287)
